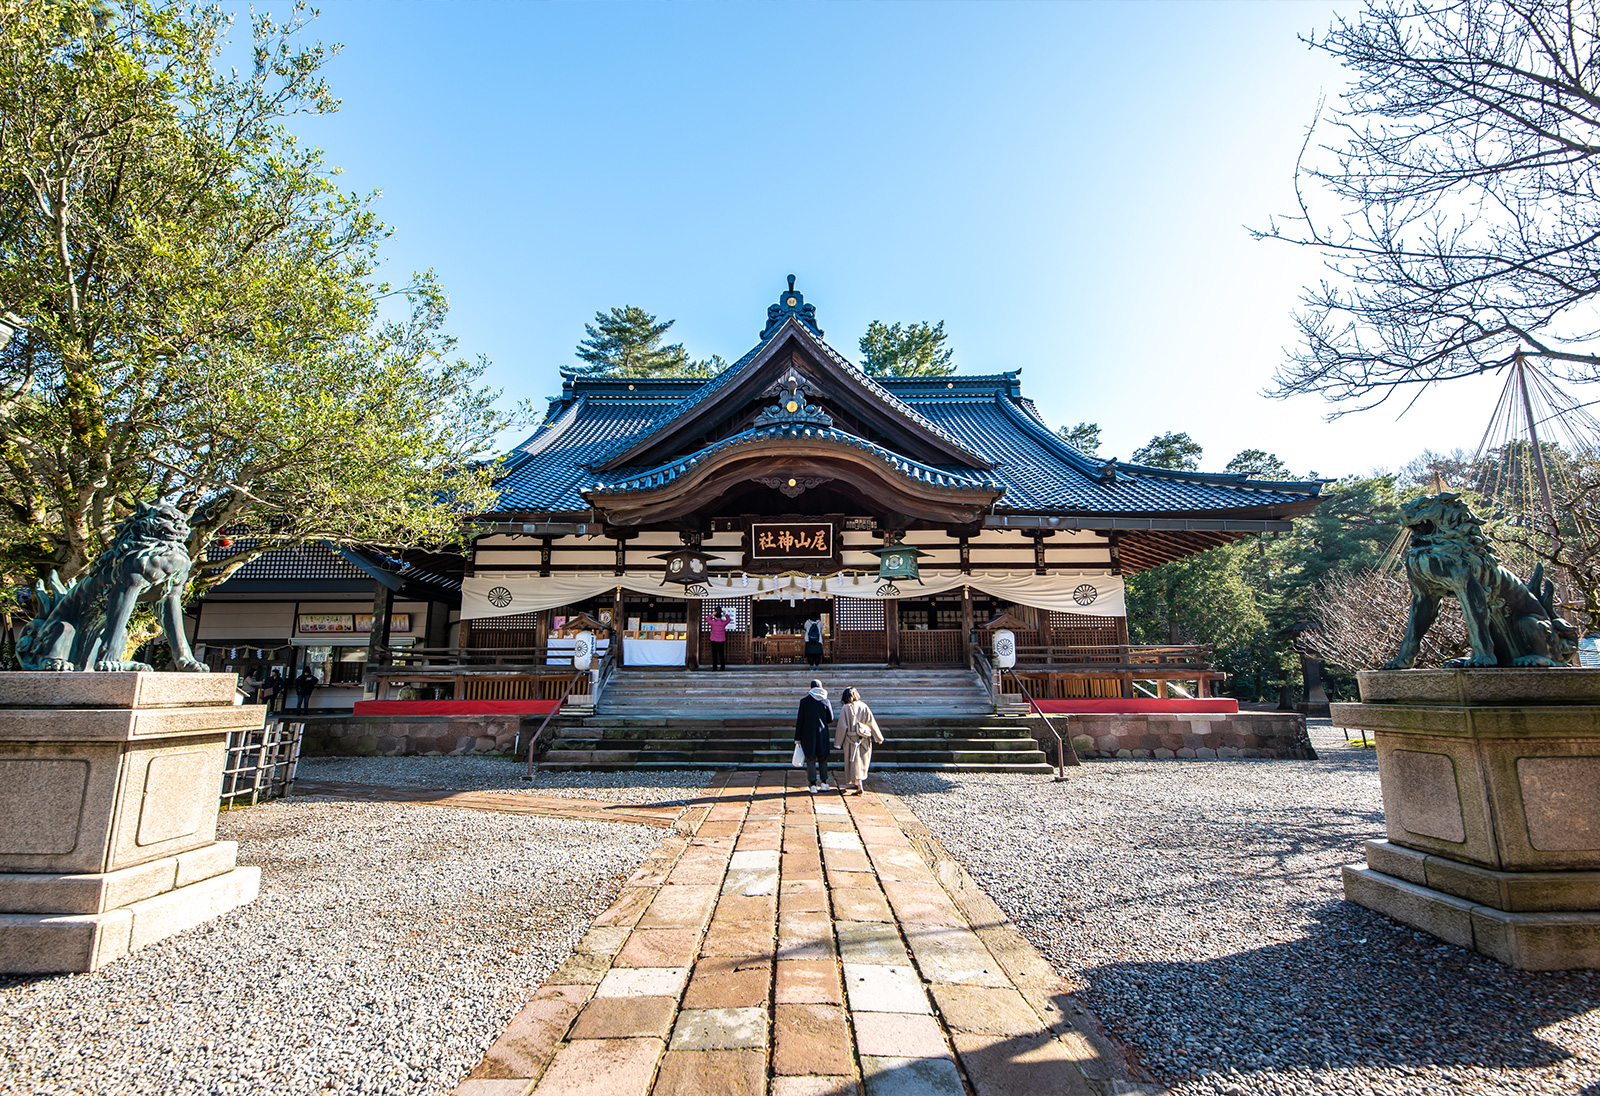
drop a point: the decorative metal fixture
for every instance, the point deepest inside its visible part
(896, 560)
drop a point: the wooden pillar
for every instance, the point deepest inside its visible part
(1123, 656)
(691, 630)
(463, 634)
(438, 624)
(541, 635)
(378, 641)
(618, 621)
(891, 631)
(966, 619)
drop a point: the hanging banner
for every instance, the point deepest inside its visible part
(489, 595)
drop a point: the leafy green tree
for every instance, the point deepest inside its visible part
(199, 318)
(1177, 451)
(911, 350)
(1202, 599)
(1258, 462)
(1085, 437)
(626, 342)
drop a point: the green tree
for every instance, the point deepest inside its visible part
(1085, 437)
(1258, 462)
(199, 316)
(1177, 451)
(1201, 599)
(626, 342)
(910, 350)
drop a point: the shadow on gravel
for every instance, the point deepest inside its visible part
(1357, 990)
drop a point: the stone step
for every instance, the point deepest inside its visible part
(893, 744)
(610, 765)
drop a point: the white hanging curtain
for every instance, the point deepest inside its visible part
(490, 595)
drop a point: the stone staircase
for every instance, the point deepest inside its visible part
(775, 690)
(744, 718)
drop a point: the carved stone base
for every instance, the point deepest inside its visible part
(1491, 798)
(109, 788)
(80, 922)
(1558, 940)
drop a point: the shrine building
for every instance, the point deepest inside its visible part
(901, 514)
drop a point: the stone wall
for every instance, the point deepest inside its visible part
(1245, 734)
(428, 735)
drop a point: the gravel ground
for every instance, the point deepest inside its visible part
(1198, 907)
(390, 946)
(664, 787)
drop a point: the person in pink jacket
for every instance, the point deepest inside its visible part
(719, 641)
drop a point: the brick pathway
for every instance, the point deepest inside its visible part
(553, 806)
(791, 945)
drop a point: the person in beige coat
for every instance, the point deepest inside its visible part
(854, 738)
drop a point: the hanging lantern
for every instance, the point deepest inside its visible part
(1005, 649)
(583, 650)
(897, 561)
(685, 567)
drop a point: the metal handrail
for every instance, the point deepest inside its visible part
(605, 672)
(551, 714)
(1065, 754)
(985, 669)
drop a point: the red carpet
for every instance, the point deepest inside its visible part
(455, 707)
(1140, 706)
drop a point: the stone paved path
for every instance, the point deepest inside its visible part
(553, 806)
(780, 944)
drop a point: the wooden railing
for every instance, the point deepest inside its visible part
(1134, 657)
(1102, 672)
(932, 647)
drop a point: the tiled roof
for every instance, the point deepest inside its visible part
(301, 562)
(715, 384)
(642, 479)
(1039, 471)
(984, 417)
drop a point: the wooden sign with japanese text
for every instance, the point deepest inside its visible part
(800, 545)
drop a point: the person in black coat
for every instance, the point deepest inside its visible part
(811, 731)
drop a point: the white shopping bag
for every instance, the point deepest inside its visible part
(799, 760)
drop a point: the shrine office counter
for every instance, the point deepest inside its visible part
(653, 652)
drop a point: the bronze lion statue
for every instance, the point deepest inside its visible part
(83, 625)
(1508, 623)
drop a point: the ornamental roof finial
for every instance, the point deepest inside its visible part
(790, 303)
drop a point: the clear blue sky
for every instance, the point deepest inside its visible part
(1065, 185)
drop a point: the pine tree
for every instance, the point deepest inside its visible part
(1085, 437)
(1177, 451)
(909, 350)
(626, 342)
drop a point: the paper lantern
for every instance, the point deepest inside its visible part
(583, 651)
(1005, 649)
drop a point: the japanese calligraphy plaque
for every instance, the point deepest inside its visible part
(792, 543)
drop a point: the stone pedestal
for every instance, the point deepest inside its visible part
(1491, 795)
(109, 788)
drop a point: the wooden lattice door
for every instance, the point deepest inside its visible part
(737, 610)
(858, 631)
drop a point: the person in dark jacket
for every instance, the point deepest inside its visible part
(304, 686)
(813, 634)
(811, 731)
(275, 689)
